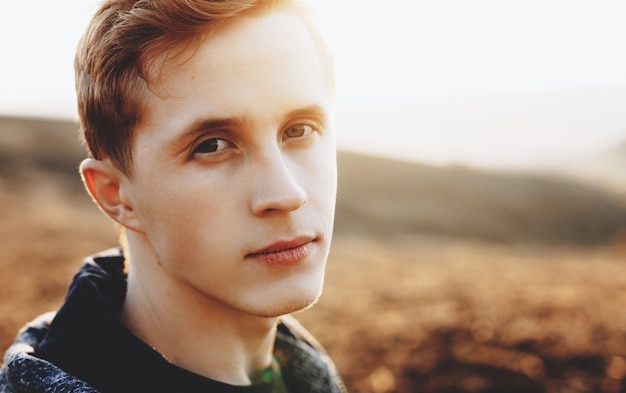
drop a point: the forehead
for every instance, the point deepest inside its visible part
(245, 47)
(253, 66)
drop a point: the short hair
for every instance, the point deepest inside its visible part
(116, 57)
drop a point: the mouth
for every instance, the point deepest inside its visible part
(285, 253)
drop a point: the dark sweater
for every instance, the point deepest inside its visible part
(85, 348)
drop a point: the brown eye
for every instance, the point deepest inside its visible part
(212, 145)
(298, 131)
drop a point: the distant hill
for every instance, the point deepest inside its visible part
(606, 169)
(30, 147)
(387, 198)
(381, 197)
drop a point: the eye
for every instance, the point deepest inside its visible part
(212, 145)
(299, 131)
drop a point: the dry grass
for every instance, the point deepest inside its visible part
(440, 315)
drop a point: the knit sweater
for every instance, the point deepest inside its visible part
(304, 365)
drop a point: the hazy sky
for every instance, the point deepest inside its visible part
(423, 49)
(385, 51)
(396, 50)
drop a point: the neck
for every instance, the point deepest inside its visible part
(192, 330)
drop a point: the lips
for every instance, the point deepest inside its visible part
(284, 253)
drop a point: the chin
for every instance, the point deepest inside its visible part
(287, 302)
(286, 309)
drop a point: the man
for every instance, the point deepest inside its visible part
(211, 147)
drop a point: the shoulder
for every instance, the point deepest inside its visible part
(292, 327)
(305, 363)
(22, 371)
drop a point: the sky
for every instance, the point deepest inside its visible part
(386, 53)
(447, 48)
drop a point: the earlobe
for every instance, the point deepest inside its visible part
(105, 183)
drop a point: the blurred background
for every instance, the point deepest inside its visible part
(481, 223)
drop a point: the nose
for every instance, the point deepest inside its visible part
(274, 188)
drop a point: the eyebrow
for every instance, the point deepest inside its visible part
(203, 125)
(308, 111)
(214, 123)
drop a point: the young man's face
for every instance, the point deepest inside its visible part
(234, 176)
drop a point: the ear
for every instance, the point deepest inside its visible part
(106, 185)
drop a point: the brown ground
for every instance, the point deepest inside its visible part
(451, 316)
(404, 310)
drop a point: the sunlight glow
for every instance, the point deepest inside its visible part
(389, 54)
(406, 51)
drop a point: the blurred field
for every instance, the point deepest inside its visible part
(440, 279)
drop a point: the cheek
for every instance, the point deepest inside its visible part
(323, 186)
(327, 168)
(199, 200)
(170, 209)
